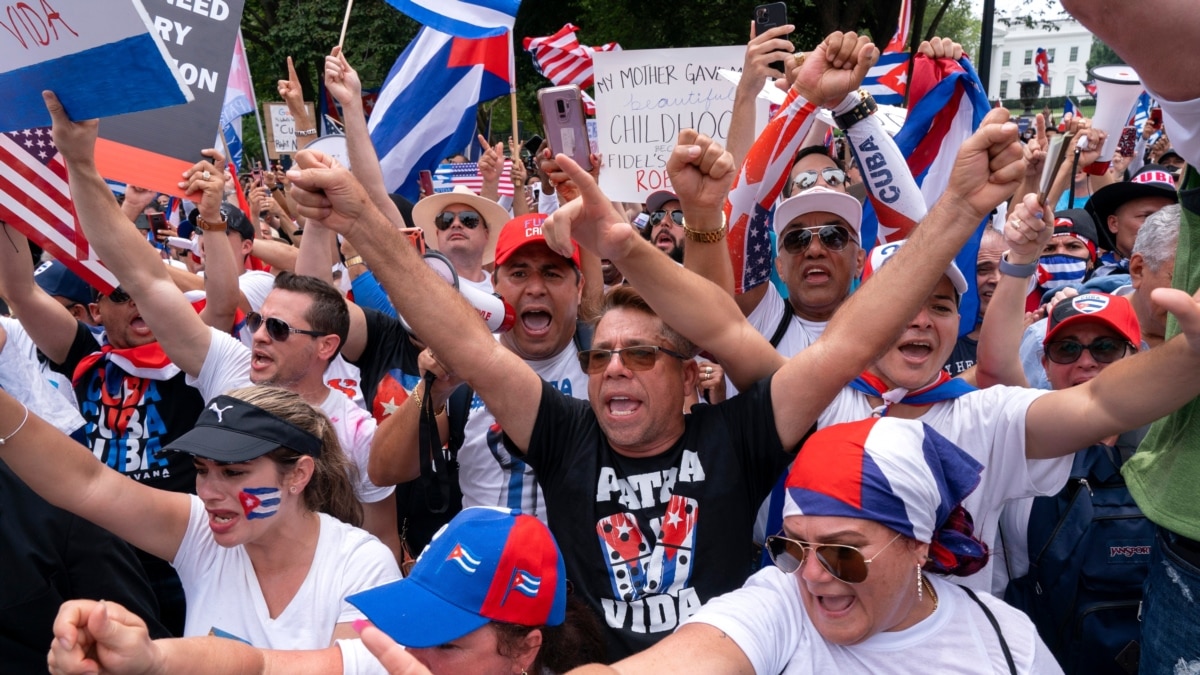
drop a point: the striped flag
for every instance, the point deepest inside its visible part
(36, 199)
(239, 94)
(887, 80)
(426, 108)
(562, 60)
(903, 26)
(1041, 63)
(462, 18)
(447, 176)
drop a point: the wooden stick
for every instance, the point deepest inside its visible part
(345, 23)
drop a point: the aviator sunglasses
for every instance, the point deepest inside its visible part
(277, 329)
(118, 296)
(833, 238)
(845, 563)
(658, 216)
(1103, 350)
(641, 357)
(806, 179)
(469, 219)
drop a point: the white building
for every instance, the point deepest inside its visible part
(1013, 50)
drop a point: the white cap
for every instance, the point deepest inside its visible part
(820, 199)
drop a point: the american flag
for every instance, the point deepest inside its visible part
(36, 199)
(562, 60)
(447, 176)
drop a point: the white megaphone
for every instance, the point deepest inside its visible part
(1117, 90)
(495, 312)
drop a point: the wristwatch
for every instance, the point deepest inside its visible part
(865, 108)
(210, 227)
(706, 236)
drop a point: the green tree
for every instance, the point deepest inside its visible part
(1102, 55)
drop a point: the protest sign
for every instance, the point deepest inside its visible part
(281, 128)
(100, 58)
(645, 97)
(153, 148)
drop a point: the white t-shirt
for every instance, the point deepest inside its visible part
(482, 460)
(766, 317)
(223, 593)
(989, 424)
(346, 378)
(767, 621)
(227, 367)
(484, 286)
(256, 285)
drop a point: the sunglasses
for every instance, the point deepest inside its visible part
(845, 563)
(118, 296)
(469, 219)
(806, 179)
(277, 329)
(657, 217)
(634, 358)
(1103, 350)
(833, 238)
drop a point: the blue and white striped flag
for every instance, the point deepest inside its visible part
(887, 80)
(426, 108)
(462, 18)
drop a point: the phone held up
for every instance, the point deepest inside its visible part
(562, 116)
(767, 17)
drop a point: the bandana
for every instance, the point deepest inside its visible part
(1058, 270)
(899, 473)
(944, 388)
(147, 361)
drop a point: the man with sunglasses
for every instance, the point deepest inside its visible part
(464, 227)
(300, 328)
(665, 228)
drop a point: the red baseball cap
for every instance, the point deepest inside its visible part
(1113, 311)
(522, 231)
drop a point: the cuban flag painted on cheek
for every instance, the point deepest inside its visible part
(259, 502)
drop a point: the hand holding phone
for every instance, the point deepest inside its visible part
(562, 115)
(767, 17)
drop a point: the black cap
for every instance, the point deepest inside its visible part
(231, 430)
(234, 220)
(1151, 180)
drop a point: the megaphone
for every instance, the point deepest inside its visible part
(1117, 90)
(495, 312)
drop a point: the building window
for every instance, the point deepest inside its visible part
(1074, 54)
(1050, 55)
(1004, 60)
(1028, 56)
(1070, 85)
(1003, 89)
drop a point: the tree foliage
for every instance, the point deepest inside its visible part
(1102, 55)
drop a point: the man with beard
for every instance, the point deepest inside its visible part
(665, 228)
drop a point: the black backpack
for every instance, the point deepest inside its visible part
(1089, 552)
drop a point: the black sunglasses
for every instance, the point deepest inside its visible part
(657, 217)
(469, 219)
(277, 329)
(845, 563)
(118, 296)
(1103, 350)
(806, 179)
(641, 357)
(833, 238)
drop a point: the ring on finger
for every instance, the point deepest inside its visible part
(799, 58)
(206, 175)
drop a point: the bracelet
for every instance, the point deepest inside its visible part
(22, 426)
(865, 108)
(211, 227)
(306, 132)
(355, 260)
(416, 394)
(708, 236)
(1014, 270)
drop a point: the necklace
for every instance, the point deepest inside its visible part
(932, 593)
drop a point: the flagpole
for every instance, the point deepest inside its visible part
(512, 92)
(262, 136)
(345, 23)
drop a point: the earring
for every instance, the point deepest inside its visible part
(292, 489)
(920, 586)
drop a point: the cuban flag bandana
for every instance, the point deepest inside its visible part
(899, 473)
(1058, 270)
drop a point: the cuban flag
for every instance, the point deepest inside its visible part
(426, 108)
(887, 80)
(524, 582)
(903, 26)
(1042, 63)
(463, 558)
(260, 502)
(464, 18)
(947, 105)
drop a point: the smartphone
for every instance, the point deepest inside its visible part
(425, 177)
(1156, 117)
(767, 17)
(529, 153)
(158, 222)
(1128, 142)
(562, 117)
(285, 161)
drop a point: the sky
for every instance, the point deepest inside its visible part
(1009, 7)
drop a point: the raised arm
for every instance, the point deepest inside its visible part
(762, 51)
(437, 313)
(1030, 226)
(137, 265)
(50, 325)
(293, 94)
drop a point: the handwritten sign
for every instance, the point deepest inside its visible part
(101, 58)
(281, 128)
(644, 98)
(152, 148)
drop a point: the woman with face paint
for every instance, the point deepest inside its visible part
(267, 550)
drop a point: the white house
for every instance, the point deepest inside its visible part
(1013, 50)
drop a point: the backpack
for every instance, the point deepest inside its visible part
(1089, 553)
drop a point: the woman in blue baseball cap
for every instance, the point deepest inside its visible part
(488, 596)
